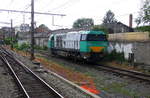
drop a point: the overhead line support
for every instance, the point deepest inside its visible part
(32, 30)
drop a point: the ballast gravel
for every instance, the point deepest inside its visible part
(59, 85)
(129, 88)
(114, 85)
(7, 85)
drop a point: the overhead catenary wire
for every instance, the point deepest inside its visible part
(49, 3)
(40, 13)
(29, 5)
(1, 22)
(64, 5)
(11, 2)
(23, 12)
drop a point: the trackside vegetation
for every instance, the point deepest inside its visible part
(143, 29)
(115, 56)
(26, 47)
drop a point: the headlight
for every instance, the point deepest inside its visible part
(96, 49)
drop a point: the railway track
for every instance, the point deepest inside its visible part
(30, 85)
(130, 73)
(125, 72)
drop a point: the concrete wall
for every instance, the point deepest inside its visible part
(23, 41)
(130, 36)
(40, 41)
(141, 50)
(137, 43)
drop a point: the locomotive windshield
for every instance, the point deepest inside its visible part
(94, 37)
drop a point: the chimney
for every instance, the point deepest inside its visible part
(130, 20)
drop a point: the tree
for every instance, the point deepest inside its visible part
(100, 28)
(109, 17)
(42, 28)
(83, 23)
(144, 14)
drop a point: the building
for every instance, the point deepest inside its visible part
(118, 27)
(8, 32)
(24, 28)
(68, 30)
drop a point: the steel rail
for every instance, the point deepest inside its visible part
(55, 92)
(37, 77)
(129, 73)
(15, 76)
(134, 72)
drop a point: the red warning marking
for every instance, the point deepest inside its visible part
(90, 89)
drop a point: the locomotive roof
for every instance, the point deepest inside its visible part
(92, 32)
(82, 32)
(77, 32)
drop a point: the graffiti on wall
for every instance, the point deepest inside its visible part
(121, 47)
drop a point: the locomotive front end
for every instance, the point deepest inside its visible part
(93, 44)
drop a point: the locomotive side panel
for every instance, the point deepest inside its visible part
(67, 41)
(88, 45)
(73, 41)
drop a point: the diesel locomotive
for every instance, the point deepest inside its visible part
(87, 45)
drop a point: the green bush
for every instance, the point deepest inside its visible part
(26, 46)
(40, 48)
(45, 47)
(16, 46)
(143, 29)
(9, 41)
(23, 46)
(114, 56)
(100, 28)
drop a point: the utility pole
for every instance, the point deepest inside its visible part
(32, 30)
(11, 35)
(8, 23)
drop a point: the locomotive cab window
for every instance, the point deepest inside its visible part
(83, 37)
(96, 37)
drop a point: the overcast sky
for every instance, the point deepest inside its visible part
(74, 9)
